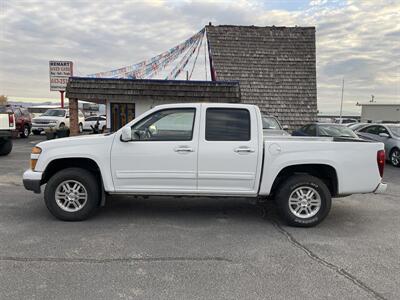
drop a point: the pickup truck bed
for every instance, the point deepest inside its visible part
(209, 149)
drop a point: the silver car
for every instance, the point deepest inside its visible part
(389, 134)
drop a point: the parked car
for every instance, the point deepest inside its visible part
(203, 149)
(325, 129)
(23, 122)
(91, 121)
(7, 126)
(389, 134)
(55, 118)
(356, 126)
(271, 126)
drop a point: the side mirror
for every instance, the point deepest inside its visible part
(67, 116)
(285, 127)
(385, 135)
(126, 135)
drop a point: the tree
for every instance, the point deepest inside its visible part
(3, 100)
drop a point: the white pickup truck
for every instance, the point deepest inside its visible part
(204, 150)
(7, 126)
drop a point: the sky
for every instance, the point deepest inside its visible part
(355, 40)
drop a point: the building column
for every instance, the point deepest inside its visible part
(73, 117)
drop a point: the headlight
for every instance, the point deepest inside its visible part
(34, 156)
(53, 122)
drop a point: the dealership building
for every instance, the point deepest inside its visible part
(272, 67)
(375, 112)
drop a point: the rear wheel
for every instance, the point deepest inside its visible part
(395, 157)
(5, 146)
(303, 200)
(72, 194)
(25, 132)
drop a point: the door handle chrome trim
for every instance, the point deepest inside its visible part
(184, 149)
(244, 150)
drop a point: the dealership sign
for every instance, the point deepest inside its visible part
(59, 72)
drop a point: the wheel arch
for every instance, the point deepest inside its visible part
(324, 172)
(79, 162)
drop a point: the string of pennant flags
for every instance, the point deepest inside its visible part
(150, 67)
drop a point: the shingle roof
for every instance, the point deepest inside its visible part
(275, 67)
(94, 89)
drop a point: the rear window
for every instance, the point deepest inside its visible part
(227, 124)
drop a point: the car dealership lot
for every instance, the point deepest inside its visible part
(195, 248)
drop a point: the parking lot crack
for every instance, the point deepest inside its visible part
(340, 271)
(115, 260)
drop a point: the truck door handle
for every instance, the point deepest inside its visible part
(244, 150)
(183, 149)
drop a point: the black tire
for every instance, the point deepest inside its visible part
(36, 132)
(85, 178)
(6, 146)
(25, 132)
(394, 157)
(80, 127)
(292, 185)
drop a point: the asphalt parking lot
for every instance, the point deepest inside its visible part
(185, 248)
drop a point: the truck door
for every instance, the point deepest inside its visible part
(228, 150)
(162, 158)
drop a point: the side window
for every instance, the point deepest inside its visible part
(370, 130)
(17, 112)
(311, 130)
(227, 124)
(166, 125)
(382, 129)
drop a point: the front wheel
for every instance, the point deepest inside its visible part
(80, 128)
(303, 200)
(395, 157)
(72, 194)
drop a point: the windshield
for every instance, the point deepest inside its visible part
(55, 113)
(395, 130)
(270, 123)
(336, 131)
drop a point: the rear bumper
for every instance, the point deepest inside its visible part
(5, 133)
(381, 188)
(32, 181)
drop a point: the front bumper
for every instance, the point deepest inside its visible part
(381, 188)
(32, 181)
(42, 127)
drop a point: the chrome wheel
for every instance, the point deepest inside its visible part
(26, 131)
(71, 196)
(395, 157)
(304, 202)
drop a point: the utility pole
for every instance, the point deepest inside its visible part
(341, 103)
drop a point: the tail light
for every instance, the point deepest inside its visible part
(11, 120)
(380, 159)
